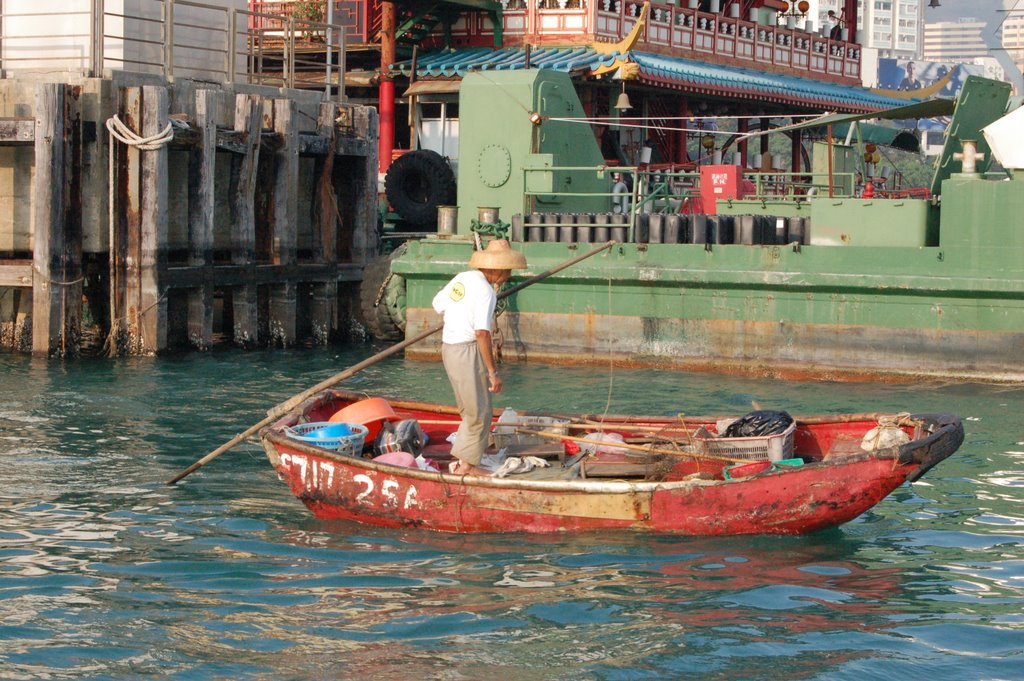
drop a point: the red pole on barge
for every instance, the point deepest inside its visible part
(386, 95)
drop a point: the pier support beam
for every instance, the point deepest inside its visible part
(201, 176)
(324, 301)
(152, 303)
(138, 240)
(248, 120)
(57, 256)
(364, 226)
(285, 219)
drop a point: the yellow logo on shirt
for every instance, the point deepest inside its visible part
(458, 292)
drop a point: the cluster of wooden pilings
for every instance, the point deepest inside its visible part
(236, 224)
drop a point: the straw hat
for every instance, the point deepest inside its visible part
(498, 256)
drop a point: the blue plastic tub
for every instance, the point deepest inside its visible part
(344, 438)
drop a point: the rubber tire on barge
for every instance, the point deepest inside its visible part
(417, 183)
(382, 298)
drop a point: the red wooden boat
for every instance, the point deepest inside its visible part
(670, 480)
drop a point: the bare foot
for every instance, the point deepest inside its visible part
(462, 468)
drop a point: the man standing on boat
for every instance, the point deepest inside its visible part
(467, 304)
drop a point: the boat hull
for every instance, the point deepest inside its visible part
(785, 501)
(794, 502)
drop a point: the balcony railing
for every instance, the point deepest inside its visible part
(359, 18)
(174, 39)
(671, 30)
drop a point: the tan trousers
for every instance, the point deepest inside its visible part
(468, 375)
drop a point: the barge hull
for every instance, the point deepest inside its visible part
(766, 349)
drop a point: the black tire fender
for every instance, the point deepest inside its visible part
(417, 183)
(382, 299)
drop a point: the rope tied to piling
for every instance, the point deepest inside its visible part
(126, 135)
(56, 282)
(122, 133)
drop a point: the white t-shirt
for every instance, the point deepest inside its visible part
(467, 305)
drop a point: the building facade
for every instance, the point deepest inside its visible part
(955, 41)
(1013, 40)
(892, 28)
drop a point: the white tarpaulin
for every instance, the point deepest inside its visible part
(1005, 139)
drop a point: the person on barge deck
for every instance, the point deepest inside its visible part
(467, 305)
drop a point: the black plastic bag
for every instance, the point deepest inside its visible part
(403, 436)
(759, 423)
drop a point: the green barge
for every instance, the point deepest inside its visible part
(812, 284)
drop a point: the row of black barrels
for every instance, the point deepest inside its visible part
(661, 228)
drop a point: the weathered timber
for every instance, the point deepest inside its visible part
(57, 255)
(325, 202)
(237, 142)
(243, 218)
(363, 222)
(324, 300)
(261, 275)
(17, 131)
(285, 219)
(162, 259)
(201, 176)
(315, 145)
(15, 273)
(125, 233)
(153, 244)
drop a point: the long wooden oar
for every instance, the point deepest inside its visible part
(286, 406)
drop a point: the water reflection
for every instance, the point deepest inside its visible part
(104, 572)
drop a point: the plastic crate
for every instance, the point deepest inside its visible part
(762, 448)
(547, 424)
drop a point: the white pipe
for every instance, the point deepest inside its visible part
(330, 50)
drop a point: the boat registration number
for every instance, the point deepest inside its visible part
(321, 475)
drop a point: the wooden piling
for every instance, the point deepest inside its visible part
(324, 299)
(201, 177)
(124, 236)
(325, 203)
(285, 219)
(153, 243)
(57, 253)
(248, 121)
(272, 291)
(364, 227)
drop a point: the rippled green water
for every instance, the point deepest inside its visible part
(107, 573)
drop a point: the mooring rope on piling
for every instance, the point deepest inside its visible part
(126, 135)
(122, 133)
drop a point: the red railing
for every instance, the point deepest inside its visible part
(670, 30)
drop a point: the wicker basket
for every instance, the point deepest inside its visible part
(762, 448)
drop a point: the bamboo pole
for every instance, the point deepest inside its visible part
(295, 400)
(638, 448)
